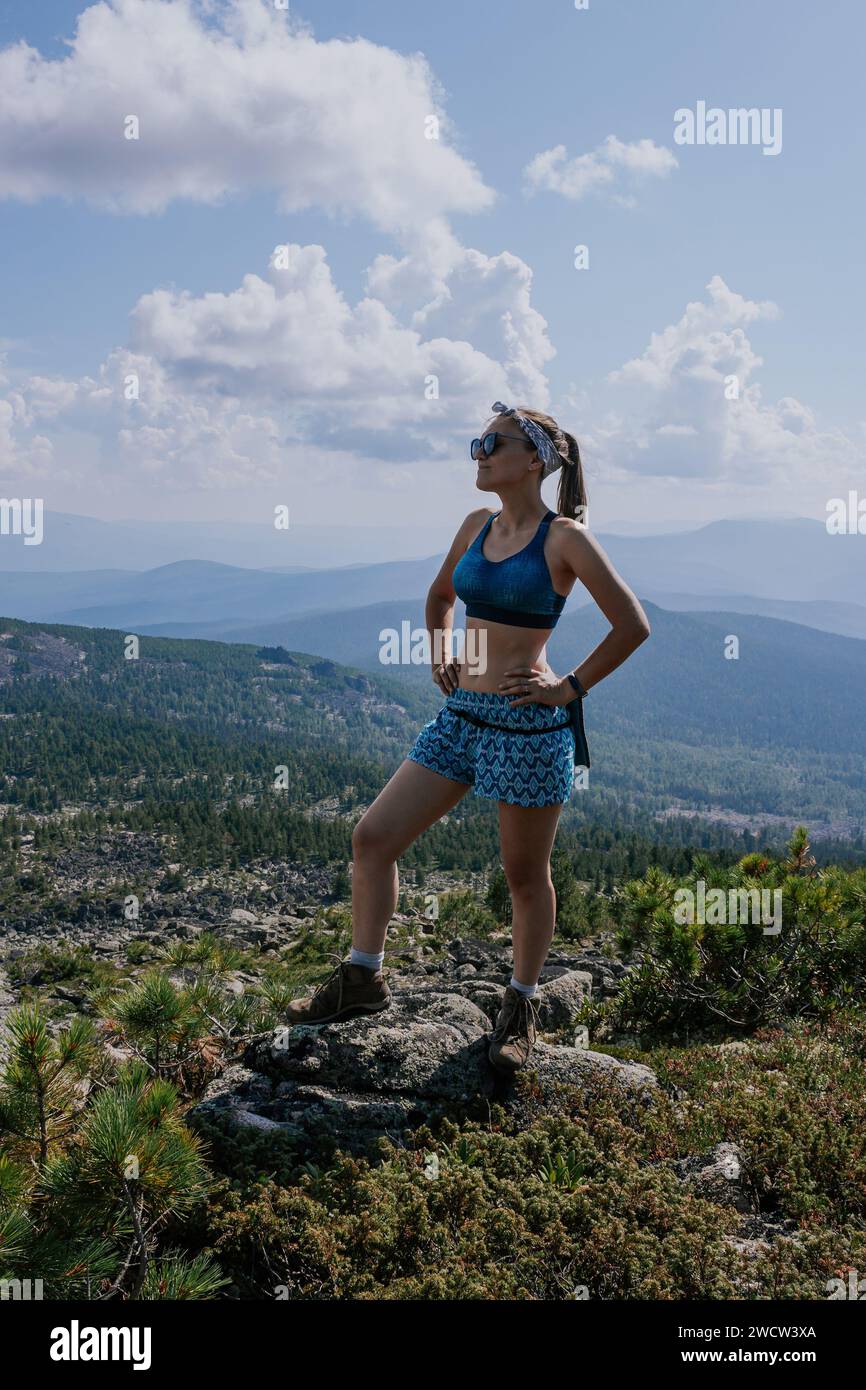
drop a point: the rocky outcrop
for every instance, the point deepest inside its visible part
(422, 1058)
(7, 1000)
(719, 1176)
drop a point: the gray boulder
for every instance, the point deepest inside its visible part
(559, 999)
(422, 1058)
(718, 1176)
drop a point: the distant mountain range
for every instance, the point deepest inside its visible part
(73, 542)
(789, 569)
(201, 597)
(789, 558)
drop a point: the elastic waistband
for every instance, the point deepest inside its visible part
(497, 709)
(512, 728)
(494, 709)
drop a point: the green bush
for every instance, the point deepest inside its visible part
(585, 1197)
(88, 1177)
(697, 978)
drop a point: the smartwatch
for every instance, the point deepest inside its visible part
(577, 685)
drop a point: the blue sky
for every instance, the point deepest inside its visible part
(515, 81)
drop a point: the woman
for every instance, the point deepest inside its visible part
(506, 728)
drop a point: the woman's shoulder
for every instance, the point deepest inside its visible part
(573, 542)
(559, 518)
(568, 525)
(475, 520)
(469, 528)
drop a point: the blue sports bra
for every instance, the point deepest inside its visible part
(517, 590)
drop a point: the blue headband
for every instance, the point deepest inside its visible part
(549, 455)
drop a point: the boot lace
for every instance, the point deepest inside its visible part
(527, 1019)
(336, 977)
(520, 1019)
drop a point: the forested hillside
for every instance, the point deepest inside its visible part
(236, 752)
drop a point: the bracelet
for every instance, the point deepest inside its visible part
(577, 685)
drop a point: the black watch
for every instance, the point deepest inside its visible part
(577, 685)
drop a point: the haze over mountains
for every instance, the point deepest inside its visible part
(787, 568)
(776, 733)
(203, 598)
(86, 543)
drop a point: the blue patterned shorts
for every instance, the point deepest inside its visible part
(520, 769)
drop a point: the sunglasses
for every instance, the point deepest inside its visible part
(483, 448)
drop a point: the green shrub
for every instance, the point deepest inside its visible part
(88, 1177)
(699, 978)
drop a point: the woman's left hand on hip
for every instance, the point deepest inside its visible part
(531, 686)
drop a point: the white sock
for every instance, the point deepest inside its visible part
(368, 958)
(528, 990)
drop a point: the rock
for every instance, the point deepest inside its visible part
(238, 1082)
(425, 1056)
(252, 1120)
(572, 1065)
(559, 999)
(240, 914)
(423, 1045)
(258, 936)
(607, 974)
(486, 995)
(70, 996)
(482, 954)
(7, 998)
(718, 1176)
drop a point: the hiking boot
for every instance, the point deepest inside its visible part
(515, 1032)
(348, 990)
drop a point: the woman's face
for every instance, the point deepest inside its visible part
(510, 459)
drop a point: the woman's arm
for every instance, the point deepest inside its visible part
(588, 562)
(439, 612)
(579, 552)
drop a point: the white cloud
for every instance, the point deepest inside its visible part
(291, 339)
(283, 372)
(688, 407)
(233, 97)
(468, 296)
(230, 97)
(23, 454)
(552, 171)
(233, 385)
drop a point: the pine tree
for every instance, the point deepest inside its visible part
(40, 1085)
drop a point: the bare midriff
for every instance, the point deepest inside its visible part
(494, 648)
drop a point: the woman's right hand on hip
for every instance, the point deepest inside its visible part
(447, 676)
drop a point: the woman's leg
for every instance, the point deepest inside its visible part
(526, 835)
(414, 799)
